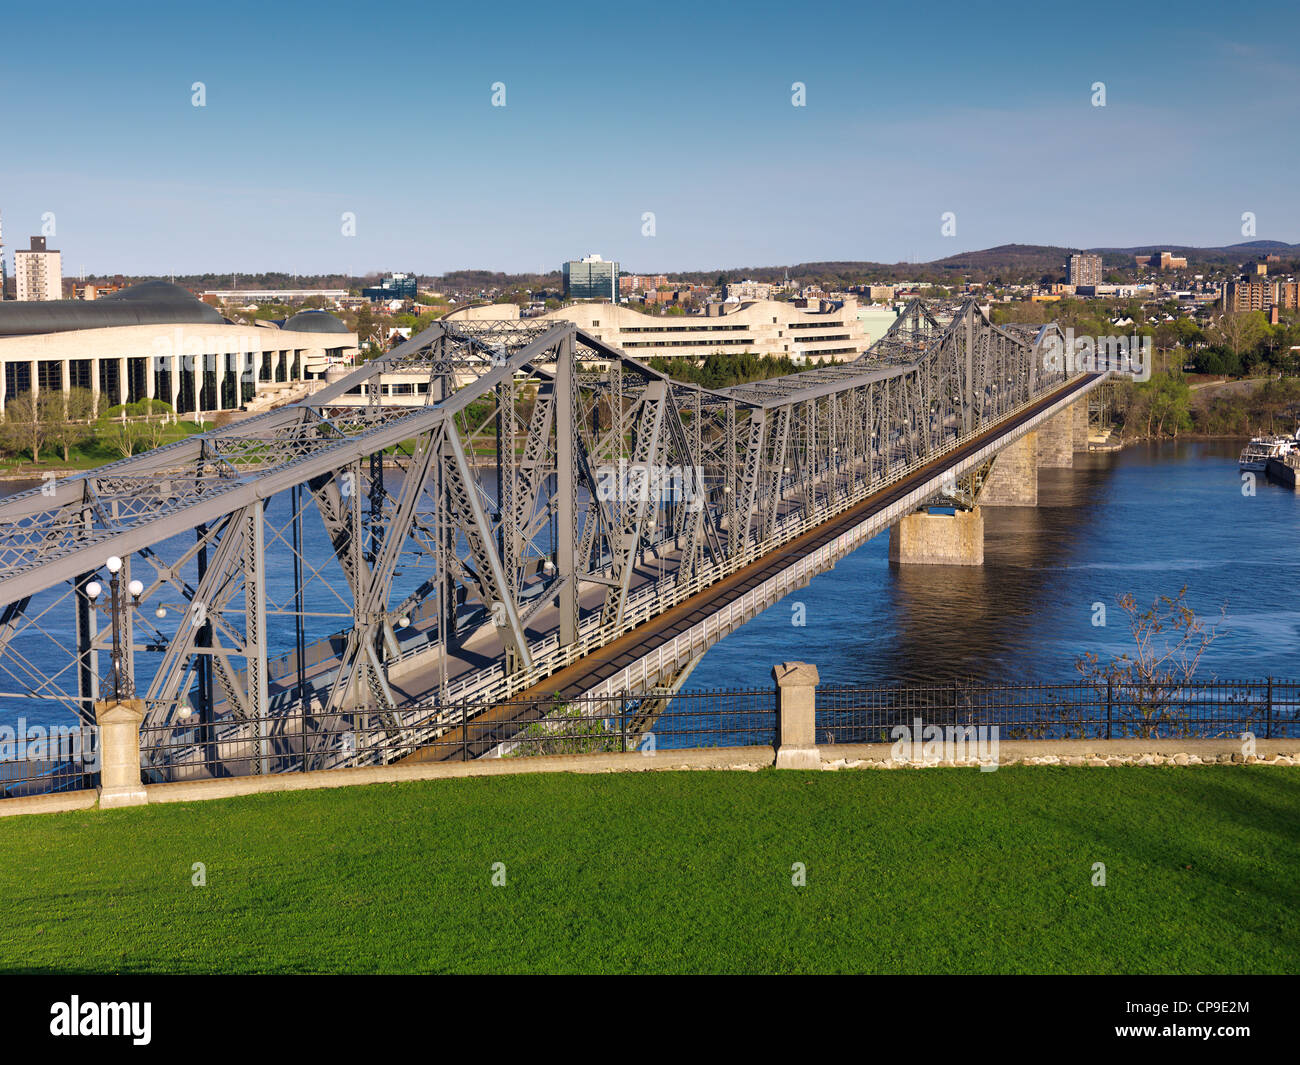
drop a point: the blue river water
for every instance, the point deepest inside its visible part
(1147, 520)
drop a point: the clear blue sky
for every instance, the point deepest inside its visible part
(612, 110)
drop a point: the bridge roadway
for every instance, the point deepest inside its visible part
(491, 727)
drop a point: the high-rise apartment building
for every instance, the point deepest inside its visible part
(1085, 269)
(38, 273)
(1260, 295)
(590, 278)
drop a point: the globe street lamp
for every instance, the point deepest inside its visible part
(123, 685)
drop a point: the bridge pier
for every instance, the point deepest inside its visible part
(1013, 478)
(1056, 440)
(1064, 434)
(938, 539)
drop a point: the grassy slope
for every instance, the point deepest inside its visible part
(941, 870)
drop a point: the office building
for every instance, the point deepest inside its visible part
(1161, 260)
(272, 295)
(590, 278)
(397, 287)
(747, 290)
(829, 329)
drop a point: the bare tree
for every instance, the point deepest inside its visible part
(123, 437)
(23, 429)
(70, 425)
(1169, 640)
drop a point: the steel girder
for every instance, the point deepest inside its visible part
(517, 509)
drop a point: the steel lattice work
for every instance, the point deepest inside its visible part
(318, 578)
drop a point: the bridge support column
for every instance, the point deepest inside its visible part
(796, 716)
(1056, 440)
(119, 753)
(1013, 478)
(938, 539)
(1080, 412)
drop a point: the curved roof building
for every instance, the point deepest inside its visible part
(157, 341)
(150, 303)
(314, 322)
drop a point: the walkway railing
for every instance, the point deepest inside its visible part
(1210, 709)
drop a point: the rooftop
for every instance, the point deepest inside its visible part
(149, 303)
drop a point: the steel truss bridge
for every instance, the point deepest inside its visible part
(334, 581)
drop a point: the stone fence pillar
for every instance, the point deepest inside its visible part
(119, 753)
(796, 707)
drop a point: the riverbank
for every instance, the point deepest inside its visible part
(1119, 441)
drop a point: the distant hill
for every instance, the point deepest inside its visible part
(1007, 262)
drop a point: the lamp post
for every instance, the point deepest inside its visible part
(123, 685)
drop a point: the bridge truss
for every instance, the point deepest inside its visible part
(344, 559)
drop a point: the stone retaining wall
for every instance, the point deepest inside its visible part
(1095, 753)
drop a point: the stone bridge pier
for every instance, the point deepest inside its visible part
(957, 539)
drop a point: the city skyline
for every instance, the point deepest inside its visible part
(990, 117)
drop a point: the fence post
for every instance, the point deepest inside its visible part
(1110, 704)
(796, 716)
(622, 722)
(464, 732)
(1268, 711)
(119, 753)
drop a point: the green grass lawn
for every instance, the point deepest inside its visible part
(907, 871)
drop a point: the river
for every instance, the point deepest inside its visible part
(1147, 520)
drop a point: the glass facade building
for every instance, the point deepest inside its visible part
(397, 287)
(591, 278)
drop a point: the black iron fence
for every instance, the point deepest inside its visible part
(308, 739)
(1269, 708)
(40, 759)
